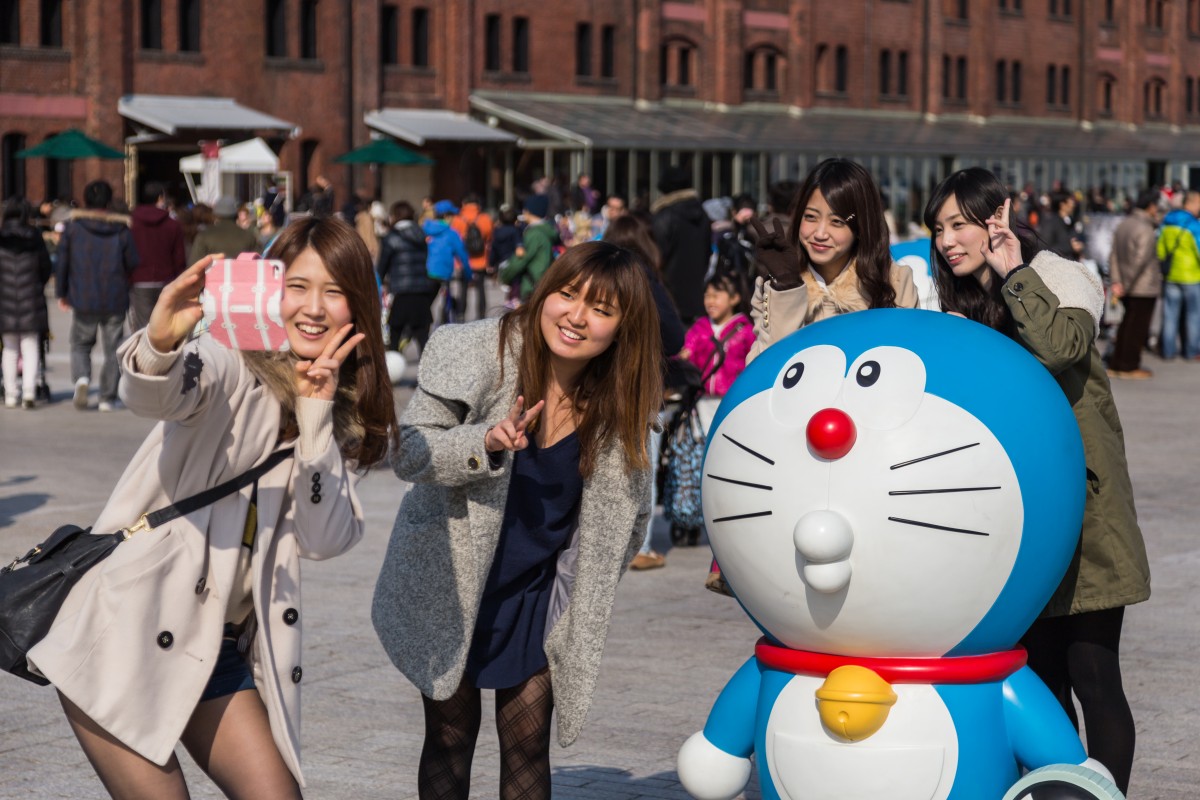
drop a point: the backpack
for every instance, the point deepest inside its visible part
(474, 240)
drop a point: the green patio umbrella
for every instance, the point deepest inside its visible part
(382, 151)
(71, 144)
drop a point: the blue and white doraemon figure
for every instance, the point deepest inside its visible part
(893, 496)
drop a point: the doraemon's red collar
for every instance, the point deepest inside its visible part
(959, 669)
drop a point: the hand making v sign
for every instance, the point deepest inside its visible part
(509, 433)
(319, 378)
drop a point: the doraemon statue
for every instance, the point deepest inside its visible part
(892, 495)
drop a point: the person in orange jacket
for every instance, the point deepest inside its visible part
(475, 227)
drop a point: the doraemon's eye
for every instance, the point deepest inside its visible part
(793, 375)
(809, 382)
(886, 388)
(868, 374)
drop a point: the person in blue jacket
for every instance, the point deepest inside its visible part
(445, 248)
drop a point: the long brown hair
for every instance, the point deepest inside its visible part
(978, 193)
(620, 390)
(364, 411)
(852, 194)
(633, 233)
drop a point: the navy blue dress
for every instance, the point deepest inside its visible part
(539, 516)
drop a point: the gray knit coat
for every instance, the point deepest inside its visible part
(445, 535)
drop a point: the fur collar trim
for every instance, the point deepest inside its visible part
(99, 215)
(1072, 283)
(842, 292)
(672, 199)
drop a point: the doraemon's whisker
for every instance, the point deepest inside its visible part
(748, 450)
(934, 455)
(742, 516)
(741, 483)
(899, 492)
(936, 527)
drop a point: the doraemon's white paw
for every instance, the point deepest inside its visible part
(708, 772)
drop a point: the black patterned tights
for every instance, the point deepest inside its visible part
(522, 724)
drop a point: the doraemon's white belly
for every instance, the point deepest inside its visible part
(912, 757)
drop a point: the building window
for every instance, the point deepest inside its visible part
(58, 182)
(760, 70)
(308, 154)
(1060, 9)
(491, 43)
(1193, 17)
(308, 29)
(885, 72)
(51, 23)
(685, 66)
(276, 28)
(189, 26)
(583, 50)
(960, 77)
(1109, 13)
(389, 34)
(1064, 96)
(608, 51)
(12, 168)
(945, 77)
(1016, 81)
(1010, 6)
(1001, 81)
(770, 71)
(520, 43)
(1154, 15)
(151, 22)
(960, 8)
(1152, 98)
(1105, 100)
(841, 69)
(10, 22)
(420, 37)
(1051, 85)
(1189, 102)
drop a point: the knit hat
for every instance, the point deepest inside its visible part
(675, 178)
(538, 205)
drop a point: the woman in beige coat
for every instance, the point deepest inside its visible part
(167, 639)
(833, 259)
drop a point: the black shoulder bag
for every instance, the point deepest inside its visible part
(34, 586)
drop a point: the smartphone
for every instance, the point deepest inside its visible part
(241, 300)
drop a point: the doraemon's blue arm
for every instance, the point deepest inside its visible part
(1038, 728)
(714, 764)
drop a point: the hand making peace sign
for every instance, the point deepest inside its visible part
(1001, 249)
(509, 433)
(319, 378)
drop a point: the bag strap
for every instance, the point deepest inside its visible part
(719, 343)
(209, 496)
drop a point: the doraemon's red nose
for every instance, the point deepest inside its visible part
(831, 433)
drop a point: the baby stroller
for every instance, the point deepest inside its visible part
(683, 455)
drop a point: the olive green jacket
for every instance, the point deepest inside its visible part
(1055, 305)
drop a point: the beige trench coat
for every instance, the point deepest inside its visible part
(134, 644)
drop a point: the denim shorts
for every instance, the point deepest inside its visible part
(231, 673)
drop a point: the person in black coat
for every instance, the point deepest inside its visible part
(1059, 230)
(24, 270)
(682, 232)
(401, 268)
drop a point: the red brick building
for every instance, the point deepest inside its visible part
(500, 91)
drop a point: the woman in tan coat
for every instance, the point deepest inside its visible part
(191, 631)
(833, 259)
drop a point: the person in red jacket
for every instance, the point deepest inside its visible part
(478, 242)
(159, 242)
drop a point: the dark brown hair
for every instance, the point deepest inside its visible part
(633, 233)
(364, 410)
(978, 193)
(852, 194)
(619, 391)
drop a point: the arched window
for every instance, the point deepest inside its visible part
(51, 28)
(960, 77)
(12, 169)
(1064, 95)
(677, 65)
(1154, 14)
(10, 22)
(1154, 98)
(841, 69)
(1016, 81)
(58, 184)
(760, 69)
(1001, 81)
(151, 24)
(1052, 85)
(885, 72)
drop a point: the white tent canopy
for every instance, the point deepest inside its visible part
(250, 156)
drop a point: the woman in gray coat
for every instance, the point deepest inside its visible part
(526, 445)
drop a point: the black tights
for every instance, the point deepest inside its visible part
(1080, 653)
(522, 724)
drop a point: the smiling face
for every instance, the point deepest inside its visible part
(719, 304)
(314, 308)
(577, 327)
(960, 241)
(825, 236)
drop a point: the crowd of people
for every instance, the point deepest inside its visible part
(532, 439)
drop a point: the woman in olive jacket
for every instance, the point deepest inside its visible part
(1051, 306)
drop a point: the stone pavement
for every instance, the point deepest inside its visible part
(671, 647)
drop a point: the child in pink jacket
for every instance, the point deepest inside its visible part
(719, 342)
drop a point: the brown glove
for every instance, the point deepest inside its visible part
(777, 258)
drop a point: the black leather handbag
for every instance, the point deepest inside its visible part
(34, 586)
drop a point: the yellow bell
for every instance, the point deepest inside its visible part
(854, 702)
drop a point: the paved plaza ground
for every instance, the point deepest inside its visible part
(671, 647)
